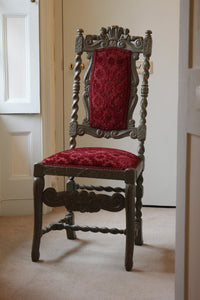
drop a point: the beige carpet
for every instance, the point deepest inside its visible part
(92, 267)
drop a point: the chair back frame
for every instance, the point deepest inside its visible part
(113, 36)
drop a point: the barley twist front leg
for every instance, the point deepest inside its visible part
(38, 205)
(138, 214)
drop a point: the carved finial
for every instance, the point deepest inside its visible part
(80, 31)
(114, 32)
(103, 33)
(148, 32)
(147, 43)
(103, 30)
(125, 34)
(126, 31)
(119, 32)
(79, 41)
(108, 29)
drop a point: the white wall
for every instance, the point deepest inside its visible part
(162, 17)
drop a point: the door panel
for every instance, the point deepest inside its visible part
(20, 149)
(19, 57)
(20, 131)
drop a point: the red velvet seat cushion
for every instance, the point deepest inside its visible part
(92, 157)
(110, 85)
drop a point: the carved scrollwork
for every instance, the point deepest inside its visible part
(92, 42)
(121, 44)
(113, 36)
(112, 43)
(133, 133)
(51, 198)
(104, 43)
(131, 124)
(138, 42)
(85, 122)
(99, 133)
(83, 201)
(89, 40)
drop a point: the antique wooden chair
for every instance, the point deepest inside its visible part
(109, 97)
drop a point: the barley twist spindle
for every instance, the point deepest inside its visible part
(76, 88)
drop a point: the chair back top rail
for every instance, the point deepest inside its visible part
(113, 36)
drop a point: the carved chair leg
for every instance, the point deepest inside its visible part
(138, 219)
(37, 189)
(130, 230)
(71, 235)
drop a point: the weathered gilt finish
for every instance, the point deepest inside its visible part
(76, 197)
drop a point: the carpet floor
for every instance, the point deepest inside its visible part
(91, 267)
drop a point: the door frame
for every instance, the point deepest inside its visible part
(187, 125)
(180, 254)
(51, 79)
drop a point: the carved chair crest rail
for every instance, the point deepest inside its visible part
(110, 97)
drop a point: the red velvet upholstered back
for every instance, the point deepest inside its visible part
(110, 86)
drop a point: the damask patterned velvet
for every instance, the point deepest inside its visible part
(110, 88)
(94, 157)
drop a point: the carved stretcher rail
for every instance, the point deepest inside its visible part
(99, 188)
(83, 201)
(61, 226)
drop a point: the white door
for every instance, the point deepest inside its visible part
(138, 16)
(20, 122)
(188, 196)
